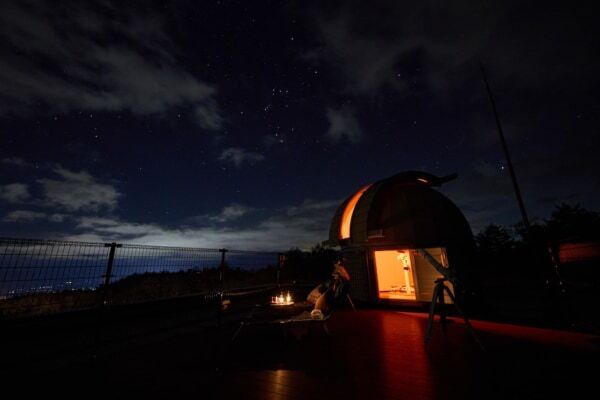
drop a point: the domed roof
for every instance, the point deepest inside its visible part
(401, 210)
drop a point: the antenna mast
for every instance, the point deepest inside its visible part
(513, 176)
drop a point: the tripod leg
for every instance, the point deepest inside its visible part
(350, 301)
(237, 331)
(431, 313)
(442, 303)
(464, 317)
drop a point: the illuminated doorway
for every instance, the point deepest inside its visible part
(403, 274)
(395, 276)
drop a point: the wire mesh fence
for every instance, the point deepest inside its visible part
(50, 276)
(38, 276)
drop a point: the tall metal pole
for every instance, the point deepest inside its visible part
(513, 176)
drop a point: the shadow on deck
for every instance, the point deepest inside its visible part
(369, 354)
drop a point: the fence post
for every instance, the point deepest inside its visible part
(102, 309)
(221, 284)
(109, 267)
(222, 268)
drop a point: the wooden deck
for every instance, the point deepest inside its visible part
(381, 355)
(369, 354)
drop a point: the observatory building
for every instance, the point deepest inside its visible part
(382, 229)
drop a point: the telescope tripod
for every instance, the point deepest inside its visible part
(438, 299)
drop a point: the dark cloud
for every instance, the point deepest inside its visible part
(386, 45)
(371, 43)
(401, 79)
(96, 56)
(28, 216)
(229, 214)
(541, 60)
(63, 189)
(343, 124)
(17, 162)
(485, 193)
(77, 191)
(88, 208)
(239, 156)
(14, 193)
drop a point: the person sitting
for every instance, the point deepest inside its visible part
(314, 294)
(341, 280)
(325, 295)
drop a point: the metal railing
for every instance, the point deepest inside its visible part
(51, 276)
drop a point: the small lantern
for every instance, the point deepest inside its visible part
(282, 300)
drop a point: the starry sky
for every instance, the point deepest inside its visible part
(245, 124)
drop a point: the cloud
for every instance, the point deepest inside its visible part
(23, 216)
(230, 213)
(17, 162)
(77, 191)
(313, 208)
(367, 63)
(31, 216)
(239, 156)
(14, 193)
(123, 63)
(343, 124)
(301, 225)
(208, 116)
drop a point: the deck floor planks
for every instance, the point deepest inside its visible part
(369, 354)
(381, 354)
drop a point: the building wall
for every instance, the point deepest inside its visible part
(356, 265)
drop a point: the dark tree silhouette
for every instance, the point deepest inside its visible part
(519, 279)
(567, 222)
(573, 222)
(494, 239)
(314, 265)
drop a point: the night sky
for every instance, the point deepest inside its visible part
(245, 124)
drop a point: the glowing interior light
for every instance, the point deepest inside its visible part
(348, 211)
(403, 258)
